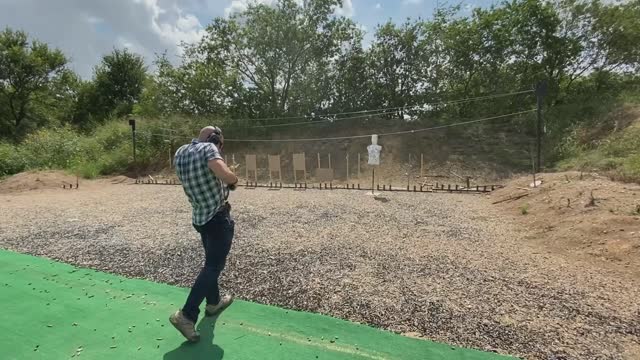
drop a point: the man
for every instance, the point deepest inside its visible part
(203, 174)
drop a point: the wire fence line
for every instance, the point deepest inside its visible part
(391, 109)
(473, 156)
(350, 137)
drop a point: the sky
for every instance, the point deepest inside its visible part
(85, 30)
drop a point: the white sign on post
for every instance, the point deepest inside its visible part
(374, 151)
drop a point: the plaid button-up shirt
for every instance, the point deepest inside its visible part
(205, 191)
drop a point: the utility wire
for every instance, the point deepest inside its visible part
(365, 113)
(322, 121)
(383, 134)
(458, 101)
(404, 132)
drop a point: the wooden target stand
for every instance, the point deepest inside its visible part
(275, 168)
(299, 165)
(325, 176)
(251, 167)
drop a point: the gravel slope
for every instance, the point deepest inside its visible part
(442, 266)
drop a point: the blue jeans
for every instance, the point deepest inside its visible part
(217, 236)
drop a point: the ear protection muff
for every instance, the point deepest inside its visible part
(216, 138)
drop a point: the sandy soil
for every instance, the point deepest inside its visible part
(585, 217)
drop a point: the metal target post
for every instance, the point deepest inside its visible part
(132, 123)
(373, 179)
(541, 92)
(169, 142)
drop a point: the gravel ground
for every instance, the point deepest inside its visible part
(446, 267)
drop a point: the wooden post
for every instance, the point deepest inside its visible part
(318, 160)
(421, 165)
(409, 173)
(330, 161)
(534, 171)
(373, 177)
(347, 167)
(541, 92)
(358, 165)
(171, 152)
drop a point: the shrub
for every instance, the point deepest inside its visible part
(50, 148)
(11, 160)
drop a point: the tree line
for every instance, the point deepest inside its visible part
(289, 60)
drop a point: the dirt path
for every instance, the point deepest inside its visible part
(446, 267)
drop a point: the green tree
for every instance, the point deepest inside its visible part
(26, 69)
(280, 52)
(86, 112)
(351, 84)
(607, 36)
(397, 64)
(118, 83)
(197, 87)
(57, 102)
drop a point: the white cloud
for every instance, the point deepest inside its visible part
(242, 5)
(178, 28)
(94, 19)
(85, 30)
(378, 6)
(346, 9)
(411, 2)
(237, 6)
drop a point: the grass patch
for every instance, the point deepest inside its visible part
(106, 151)
(617, 154)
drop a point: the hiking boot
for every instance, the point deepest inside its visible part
(213, 310)
(186, 327)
